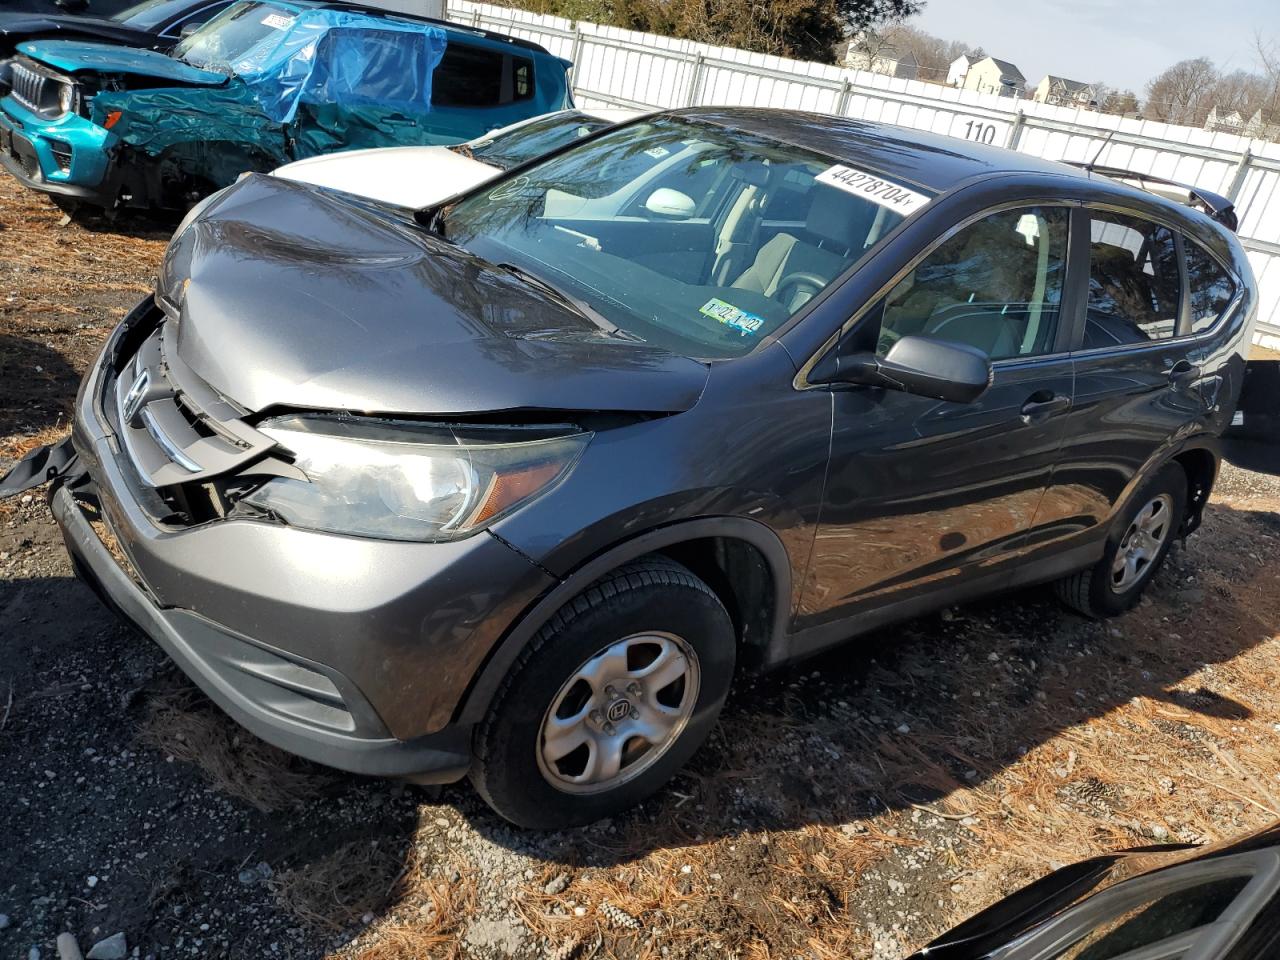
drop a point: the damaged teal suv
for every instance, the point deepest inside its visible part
(260, 85)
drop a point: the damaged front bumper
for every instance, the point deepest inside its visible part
(69, 156)
(351, 652)
(297, 706)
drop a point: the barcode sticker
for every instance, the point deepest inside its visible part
(276, 21)
(876, 189)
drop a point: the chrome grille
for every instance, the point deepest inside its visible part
(37, 87)
(175, 427)
(27, 86)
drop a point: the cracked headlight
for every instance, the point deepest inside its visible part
(404, 481)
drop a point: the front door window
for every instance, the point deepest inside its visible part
(996, 285)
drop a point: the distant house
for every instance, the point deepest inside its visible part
(869, 52)
(1000, 77)
(1062, 92)
(959, 69)
(1261, 126)
(1225, 121)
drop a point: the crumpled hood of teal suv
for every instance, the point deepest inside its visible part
(74, 56)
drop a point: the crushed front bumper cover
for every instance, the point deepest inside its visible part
(262, 689)
(351, 652)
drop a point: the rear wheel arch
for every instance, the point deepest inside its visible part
(742, 561)
(1201, 467)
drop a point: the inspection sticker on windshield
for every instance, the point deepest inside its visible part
(745, 323)
(276, 21)
(875, 189)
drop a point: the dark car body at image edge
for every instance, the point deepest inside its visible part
(156, 25)
(816, 502)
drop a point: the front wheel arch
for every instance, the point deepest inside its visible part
(685, 541)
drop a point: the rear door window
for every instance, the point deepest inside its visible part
(1135, 290)
(1210, 286)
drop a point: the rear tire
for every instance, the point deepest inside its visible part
(647, 649)
(1137, 545)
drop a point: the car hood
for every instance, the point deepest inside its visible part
(73, 56)
(289, 295)
(404, 176)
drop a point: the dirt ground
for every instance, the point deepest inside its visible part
(851, 807)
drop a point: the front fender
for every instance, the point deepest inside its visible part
(475, 703)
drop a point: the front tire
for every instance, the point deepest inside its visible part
(1139, 541)
(611, 697)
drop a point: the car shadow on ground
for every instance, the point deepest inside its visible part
(230, 832)
(33, 398)
(137, 223)
(1257, 454)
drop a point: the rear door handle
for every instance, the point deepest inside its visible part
(1043, 405)
(1183, 372)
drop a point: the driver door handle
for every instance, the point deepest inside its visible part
(1043, 405)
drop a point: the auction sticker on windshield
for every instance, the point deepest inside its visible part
(876, 189)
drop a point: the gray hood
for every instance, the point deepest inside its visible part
(293, 296)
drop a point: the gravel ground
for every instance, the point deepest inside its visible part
(853, 806)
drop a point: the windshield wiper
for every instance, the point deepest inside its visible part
(567, 299)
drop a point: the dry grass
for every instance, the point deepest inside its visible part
(185, 725)
(429, 923)
(338, 890)
(17, 447)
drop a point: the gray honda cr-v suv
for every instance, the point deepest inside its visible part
(512, 486)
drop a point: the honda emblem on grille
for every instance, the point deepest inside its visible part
(133, 400)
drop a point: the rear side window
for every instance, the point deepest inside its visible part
(1211, 287)
(1134, 287)
(470, 76)
(996, 285)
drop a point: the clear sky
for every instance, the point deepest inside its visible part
(1122, 43)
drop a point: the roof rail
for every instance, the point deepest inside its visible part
(1218, 207)
(369, 6)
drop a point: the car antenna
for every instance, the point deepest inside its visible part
(1088, 167)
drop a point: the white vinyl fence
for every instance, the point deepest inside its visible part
(623, 68)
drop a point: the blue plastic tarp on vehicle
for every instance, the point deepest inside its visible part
(337, 56)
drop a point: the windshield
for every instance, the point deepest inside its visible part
(509, 148)
(683, 233)
(151, 13)
(230, 35)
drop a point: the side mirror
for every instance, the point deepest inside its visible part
(671, 204)
(939, 369)
(188, 29)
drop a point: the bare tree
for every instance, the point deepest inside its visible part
(933, 54)
(1268, 52)
(1184, 92)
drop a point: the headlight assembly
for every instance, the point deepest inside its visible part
(403, 481)
(66, 97)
